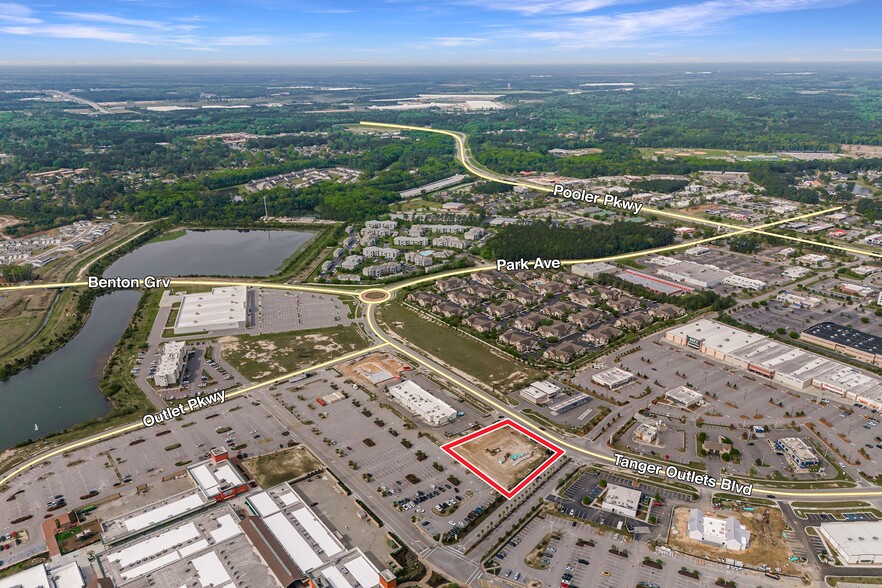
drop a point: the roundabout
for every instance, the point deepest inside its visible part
(374, 296)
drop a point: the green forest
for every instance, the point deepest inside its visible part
(554, 242)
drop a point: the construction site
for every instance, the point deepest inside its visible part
(768, 540)
(374, 369)
(505, 454)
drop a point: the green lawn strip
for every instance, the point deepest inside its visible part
(464, 354)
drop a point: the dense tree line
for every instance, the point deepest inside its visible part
(869, 209)
(691, 302)
(13, 274)
(662, 185)
(744, 244)
(554, 242)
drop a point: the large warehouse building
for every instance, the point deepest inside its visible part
(846, 340)
(421, 403)
(221, 309)
(855, 543)
(789, 366)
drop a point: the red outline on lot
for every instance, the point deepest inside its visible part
(557, 452)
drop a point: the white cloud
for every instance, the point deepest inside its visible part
(683, 19)
(548, 6)
(110, 19)
(16, 14)
(241, 41)
(65, 31)
(457, 41)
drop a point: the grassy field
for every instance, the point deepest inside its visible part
(416, 204)
(169, 236)
(705, 153)
(281, 466)
(465, 354)
(264, 356)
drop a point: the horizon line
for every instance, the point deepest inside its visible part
(697, 64)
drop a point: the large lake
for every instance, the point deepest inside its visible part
(62, 390)
(212, 253)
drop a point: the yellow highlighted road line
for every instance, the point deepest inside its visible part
(297, 287)
(43, 286)
(481, 395)
(853, 493)
(138, 425)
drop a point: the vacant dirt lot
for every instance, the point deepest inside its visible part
(281, 466)
(862, 150)
(767, 542)
(259, 357)
(504, 444)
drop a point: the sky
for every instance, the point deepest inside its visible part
(300, 32)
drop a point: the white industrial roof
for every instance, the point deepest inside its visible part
(363, 571)
(227, 528)
(856, 538)
(150, 566)
(211, 476)
(684, 394)
(546, 386)
(264, 504)
(294, 544)
(34, 577)
(155, 545)
(219, 307)
(193, 548)
(163, 513)
(336, 578)
(68, 576)
(318, 532)
(211, 570)
(621, 496)
(612, 376)
(419, 400)
(289, 498)
(716, 335)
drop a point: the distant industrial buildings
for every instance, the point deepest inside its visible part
(421, 403)
(44, 576)
(728, 533)
(703, 276)
(278, 541)
(789, 366)
(592, 270)
(796, 300)
(854, 543)
(846, 340)
(221, 309)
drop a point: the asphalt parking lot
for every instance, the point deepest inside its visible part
(280, 311)
(146, 456)
(344, 428)
(743, 401)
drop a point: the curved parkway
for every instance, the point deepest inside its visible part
(464, 156)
